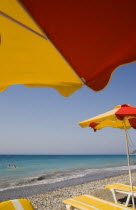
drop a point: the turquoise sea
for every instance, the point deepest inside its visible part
(46, 169)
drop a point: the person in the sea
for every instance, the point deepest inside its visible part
(12, 166)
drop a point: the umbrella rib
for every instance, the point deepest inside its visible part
(22, 25)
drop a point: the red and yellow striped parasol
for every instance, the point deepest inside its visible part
(122, 117)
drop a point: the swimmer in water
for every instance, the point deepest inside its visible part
(12, 166)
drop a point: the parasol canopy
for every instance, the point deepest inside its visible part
(113, 118)
(65, 44)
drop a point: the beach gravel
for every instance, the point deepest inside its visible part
(53, 200)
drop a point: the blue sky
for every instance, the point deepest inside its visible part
(40, 121)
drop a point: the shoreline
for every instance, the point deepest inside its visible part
(80, 175)
(38, 188)
(53, 200)
(50, 196)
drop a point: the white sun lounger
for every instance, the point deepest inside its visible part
(89, 202)
(121, 188)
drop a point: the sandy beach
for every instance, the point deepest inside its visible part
(53, 200)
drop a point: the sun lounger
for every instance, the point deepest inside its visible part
(17, 204)
(89, 202)
(121, 188)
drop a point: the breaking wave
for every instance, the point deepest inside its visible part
(89, 174)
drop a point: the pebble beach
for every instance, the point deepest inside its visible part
(53, 200)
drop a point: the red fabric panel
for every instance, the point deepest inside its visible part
(133, 123)
(93, 125)
(94, 36)
(125, 112)
(125, 105)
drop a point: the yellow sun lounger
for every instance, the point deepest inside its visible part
(17, 204)
(89, 202)
(121, 188)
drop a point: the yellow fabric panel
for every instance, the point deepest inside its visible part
(77, 205)
(88, 202)
(13, 9)
(98, 119)
(7, 205)
(120, 187)
(26, 204)
(113, 124)
(28, 59)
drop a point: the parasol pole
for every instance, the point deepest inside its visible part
(129, 168)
